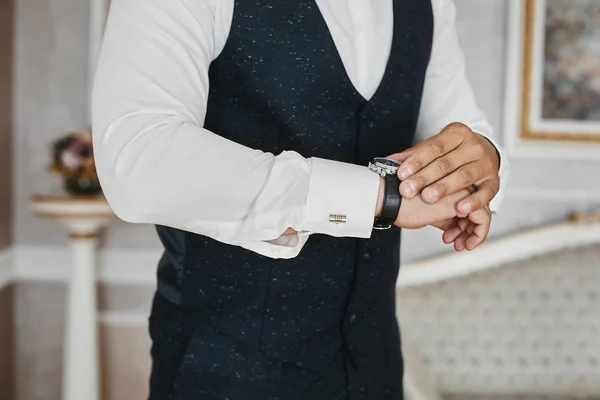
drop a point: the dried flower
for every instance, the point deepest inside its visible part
(73, 156)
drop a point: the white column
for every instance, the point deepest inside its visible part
(81, 369)
(84, 217)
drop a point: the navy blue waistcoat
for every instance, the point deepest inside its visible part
(279, 84)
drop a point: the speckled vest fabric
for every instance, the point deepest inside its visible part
(321, 325)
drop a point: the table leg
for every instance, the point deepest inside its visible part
(81, 363)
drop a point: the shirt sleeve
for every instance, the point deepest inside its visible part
(158, 165)
(448, 96)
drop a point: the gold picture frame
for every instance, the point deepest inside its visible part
(575, 130)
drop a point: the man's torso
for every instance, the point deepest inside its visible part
(280, 84)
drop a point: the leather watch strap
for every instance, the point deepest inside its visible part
(391, 203)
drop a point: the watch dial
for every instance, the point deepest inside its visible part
(387, 162)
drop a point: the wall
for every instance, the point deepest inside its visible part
(6, 59)
(50, 99)
(6, 304)
(51, 94)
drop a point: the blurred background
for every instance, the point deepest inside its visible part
(517, 319)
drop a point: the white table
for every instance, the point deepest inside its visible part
(84, 217)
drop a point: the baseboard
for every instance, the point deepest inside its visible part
(6, 275)
(554, 196)
(48, 264)
(124, 319)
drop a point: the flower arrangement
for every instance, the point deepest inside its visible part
(73, 160)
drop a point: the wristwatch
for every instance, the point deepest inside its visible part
(391, 199)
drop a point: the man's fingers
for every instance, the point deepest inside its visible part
(459, 243)
(463, 223)
(467, 233)
(470, 232)
(485, 193)
(428, 151)
(474, 240)
(451, 234)
(480, 228)
(404, 155)
(456, 177)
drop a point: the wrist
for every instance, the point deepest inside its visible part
(380, 196)
(388, 196)
(497, 159)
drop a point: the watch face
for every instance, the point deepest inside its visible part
(386, 162)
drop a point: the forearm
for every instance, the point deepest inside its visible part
(158, 165)
(170, 175)
(167, 175)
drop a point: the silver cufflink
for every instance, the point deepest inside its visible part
(337, 218)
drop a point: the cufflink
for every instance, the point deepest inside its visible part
(337, 218)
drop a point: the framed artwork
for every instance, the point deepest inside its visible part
(553, 82)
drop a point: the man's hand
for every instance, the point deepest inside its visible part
(465, 232)
(448, 162)
(415, 213)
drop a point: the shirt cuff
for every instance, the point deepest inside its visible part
(342, 191)
(285, 247)
(503, 174)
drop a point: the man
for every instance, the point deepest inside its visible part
(244, 131)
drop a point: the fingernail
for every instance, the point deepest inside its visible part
(431, 194)
(405, 173)
(409, 188)
(464, 207)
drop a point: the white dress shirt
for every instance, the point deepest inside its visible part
(158, 165)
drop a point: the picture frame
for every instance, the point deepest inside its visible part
(552, 106)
